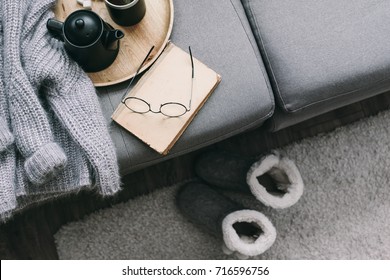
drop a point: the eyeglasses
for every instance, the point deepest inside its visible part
(168, 109)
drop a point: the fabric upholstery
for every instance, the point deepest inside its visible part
(281, 119)
(220, 36)
(320, 52)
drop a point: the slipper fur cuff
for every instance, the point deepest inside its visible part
(286, 176)
(247, 246)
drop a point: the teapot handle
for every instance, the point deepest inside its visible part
(56, 28)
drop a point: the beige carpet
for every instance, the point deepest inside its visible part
(343, 214)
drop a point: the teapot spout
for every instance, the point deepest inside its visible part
(56, 28)
(112, 37)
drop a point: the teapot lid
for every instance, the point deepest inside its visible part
(83, 28)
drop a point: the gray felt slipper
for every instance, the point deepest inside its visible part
(273, 179)
(245, 232)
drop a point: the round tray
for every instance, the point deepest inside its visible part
(154, 30)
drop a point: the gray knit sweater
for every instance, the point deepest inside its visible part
(53, 137)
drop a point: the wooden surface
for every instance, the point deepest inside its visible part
(154, 30)
(30, 234)
(169, 80)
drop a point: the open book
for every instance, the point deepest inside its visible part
(169, 80)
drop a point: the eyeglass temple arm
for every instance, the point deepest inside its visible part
(192, 77)
(136, 73)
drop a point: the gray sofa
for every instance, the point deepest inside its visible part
(281, 62)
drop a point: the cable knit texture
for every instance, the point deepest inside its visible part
(49, 104)
(7, 154)
(29, 121)
(6, 137)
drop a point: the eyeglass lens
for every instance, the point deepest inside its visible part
(137, 105)
(173, 109)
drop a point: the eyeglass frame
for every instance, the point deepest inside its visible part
(123, 101)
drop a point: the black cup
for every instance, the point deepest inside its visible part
(126, 12)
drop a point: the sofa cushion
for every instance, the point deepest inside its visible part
(321, 52)
(220, 36)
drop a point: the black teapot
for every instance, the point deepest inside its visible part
(89, 40)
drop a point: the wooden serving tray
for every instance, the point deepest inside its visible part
(154, 30)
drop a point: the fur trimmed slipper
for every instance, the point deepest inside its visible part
(225, 170)
(247, 233)
(273, 179)
(284, 174)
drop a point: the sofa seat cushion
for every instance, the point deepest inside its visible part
(220, 36)
(318, 52)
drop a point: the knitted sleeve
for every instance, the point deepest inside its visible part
(7, 153)
(30, 126)
(6, 137)
(72, 97)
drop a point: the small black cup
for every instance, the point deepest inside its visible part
(126, 12)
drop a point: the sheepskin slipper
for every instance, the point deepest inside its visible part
(273, 179)
(285, 177)
(224, 170)
(247, 233)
